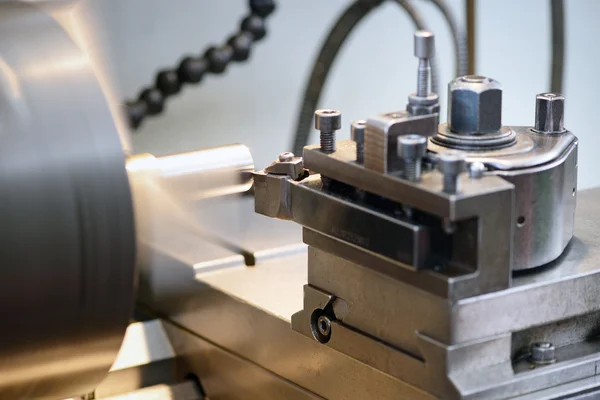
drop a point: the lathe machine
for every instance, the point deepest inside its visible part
(417, 260)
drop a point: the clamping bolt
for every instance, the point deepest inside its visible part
(422, 102)
(412, 149)
(357, 133)
(451, 164)
(424, 50)
(328, 121)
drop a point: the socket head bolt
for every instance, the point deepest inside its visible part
(328, 121)
(411, 149)
(474, 105)
(451, 164)
(357, 133)
(422, 102)
(549, 113)
(543, 353)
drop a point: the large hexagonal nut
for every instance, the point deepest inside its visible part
(474, 105)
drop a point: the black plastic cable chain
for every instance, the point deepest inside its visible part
(191, 70)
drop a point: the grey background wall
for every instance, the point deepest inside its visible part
(256, 103)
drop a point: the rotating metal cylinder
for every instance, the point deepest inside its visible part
(68, 239)
(69, 236)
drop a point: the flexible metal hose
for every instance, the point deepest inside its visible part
(337, 36)
(459, 37)
(558, 45)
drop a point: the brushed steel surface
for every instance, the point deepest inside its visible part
(227, 376)
(207, 173)
(250, 310)
(68, 244)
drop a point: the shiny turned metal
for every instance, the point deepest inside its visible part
(68, 236)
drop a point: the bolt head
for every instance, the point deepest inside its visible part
(476, 170)
(543, 353)
(324, 325)
(412, 147)
(327, 120)
(424, 44)
(549, 113)
(474, 105)
(451, 162)
(357, 130)
(287, 156)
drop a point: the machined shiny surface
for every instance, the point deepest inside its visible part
(207, 173)
(68, 245)
(546, 198)
(543, 169)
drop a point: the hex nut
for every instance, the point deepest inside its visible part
(422, 109)
(474, 105)
(549, 113)
(543, 353)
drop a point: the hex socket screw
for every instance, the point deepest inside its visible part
(328, 122)
(424, 50)
(549, 113)
(412, 149)
(357, 133)
(451, 164)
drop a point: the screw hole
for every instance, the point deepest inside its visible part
(574, 190)
(320, 326)
(520, 221)
(323, 325)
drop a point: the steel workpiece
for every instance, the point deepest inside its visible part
(68, 240)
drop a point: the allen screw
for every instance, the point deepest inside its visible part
(328, 121)
(451, 164)
(357, 133)
(411, 149)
